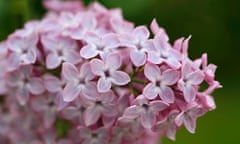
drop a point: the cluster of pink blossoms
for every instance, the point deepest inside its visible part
(87, 76)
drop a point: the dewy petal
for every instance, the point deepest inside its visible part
(69, 71)
(148, 119)
(138, 58)
(53, 61)
(150, 91)
(36, 86)
(167, 94)
(170, 77)
(152, 72)
(89, 51)
(189, 93)
(120, 78)
(22, 95)
(71, 91)
(131, 112)
(190, 123)
(141, 33)
(196, 77)
(104, 84)
(97, 66)
(113, 61)
(91, 115)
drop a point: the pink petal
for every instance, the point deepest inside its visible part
(158, 105)
(22, 95)
(92, 38)
(109, 111)
(53, 61)
(113, 61)
(167, 94)
(170, 77)
(158, 31)
(49, 117)
(69, 71)
(110, 41)
(104, 85)
(148, 119)
(89, 51)
(141, 33)
(150, 91)
(138, 58)
(190, 123)
(91, 115)
(173, 63)
(178, 44)
(90, 91)
(70, 112)
(29, 57)
(154, 58)
(186, 70)
(72, 57)
(120, 78)
(179, 119)
(108, 121)
(131, 112)
(36, 86)
(13, 61)
(196, 77)
(86, 72)
(189, 93)
(152, 72)
(52, 83)
(71, 92)
(171, 132)
(97, 66)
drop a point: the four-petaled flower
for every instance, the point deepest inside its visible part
(160, 83)
(89, 136)
(108, 72)
(78, 81)
(189, 81)
(145, 110)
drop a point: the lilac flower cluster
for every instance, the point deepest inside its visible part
(87, 76)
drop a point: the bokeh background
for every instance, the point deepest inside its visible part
(215, 29)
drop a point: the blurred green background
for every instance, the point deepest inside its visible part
(215, 29)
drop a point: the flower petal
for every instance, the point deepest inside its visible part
(196, 77)
(113, 61)
(71, 91)
(72, 57)
(22, 95)
(131, 112)
(150, 91)
(110, 41)
(190, 123)
(152, 72)
(167, 94)
(158, 105)
(91, 115)
(89, 51)
(69, 71)
(120, 78)
(173, 63)
(189, 93)
(97, 66)
(104, 85)
(141, 33)
(170, 77)
(52, 83)
(53, 61)
(36, 86)
(138, 58)
(148, 119)
(154, 58)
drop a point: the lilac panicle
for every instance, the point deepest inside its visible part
(85, 75)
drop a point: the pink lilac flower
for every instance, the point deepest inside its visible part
(102, 106)
(145, 110)
(24, 84)
(139, 44)
(78, 80)
(89, 136)
(108, 72)
(23, 47)
(97, 45)
(189, 116)
(161, 82)
(189, 80)
(167, 125)
(164, 53)
(60, 49)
